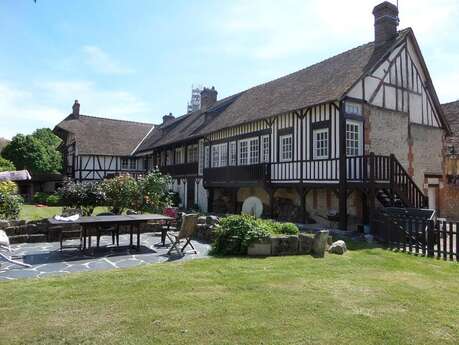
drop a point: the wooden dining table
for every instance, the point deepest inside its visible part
(133, 221)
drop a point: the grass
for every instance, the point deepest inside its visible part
(368, 296)
(32, 212)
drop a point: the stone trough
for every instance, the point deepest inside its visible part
(304, 244)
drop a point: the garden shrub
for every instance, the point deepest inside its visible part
(53, 200)
(10, 201)
(147, 194)
(84, 196)
(278, 228)
(122, 193)
(236, 233)
(8, 187)
(153, 188)
(40, 198)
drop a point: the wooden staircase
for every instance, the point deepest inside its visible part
(399, 189)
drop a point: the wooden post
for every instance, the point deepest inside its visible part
(365, 215)
(210, 200)
(235, 210)
(430, 238)
(301, 191)
(342, 170)
(392, 177)
(271, 202)
(371, 186)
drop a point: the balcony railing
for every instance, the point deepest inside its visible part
(180, 169)
(239, 173)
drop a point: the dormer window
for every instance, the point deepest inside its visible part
(353, 108)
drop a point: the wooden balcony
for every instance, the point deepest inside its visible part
(237, 174)
(372, 170)
(185, 169)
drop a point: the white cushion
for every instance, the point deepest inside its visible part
(4, 240)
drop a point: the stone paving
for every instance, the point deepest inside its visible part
(46, 258)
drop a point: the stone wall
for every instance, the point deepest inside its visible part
(386, 132)
(426, 151)
(449, 201)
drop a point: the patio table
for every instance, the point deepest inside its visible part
(131, 220)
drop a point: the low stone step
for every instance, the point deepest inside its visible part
(26, 238)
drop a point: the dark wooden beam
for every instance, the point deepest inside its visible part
(342, 169)
(210, 200)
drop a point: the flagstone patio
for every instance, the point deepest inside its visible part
(46, 258)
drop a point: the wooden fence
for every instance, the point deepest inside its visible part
(417, 235)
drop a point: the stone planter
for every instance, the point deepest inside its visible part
(260, 248)
(305, 243)
(319, 244)
(284, 245)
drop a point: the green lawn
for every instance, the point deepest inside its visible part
(31, 212)
(368, 296)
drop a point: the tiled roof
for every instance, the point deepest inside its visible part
(325, 81)
(102, 136)
(451, 111)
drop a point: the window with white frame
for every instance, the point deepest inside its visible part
(128, 164)
(353, 138)
(243, 152)
(219, 155)
(286, 148)
(179, 156)
(249, 151)
(254, 153)
(353, 108)
(320, 143)
(206, 156)
(192, 153)
(169, 157)
(265, 148)
(232, 153)
(133, 164)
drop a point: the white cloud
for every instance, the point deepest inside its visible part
(23, 108)
(271, 29)
(103, 63)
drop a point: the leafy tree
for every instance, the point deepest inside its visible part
(47, 136)
(36, 153)
(6, 165)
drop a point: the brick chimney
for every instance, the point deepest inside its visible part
(168, 118)
(386, 22)
(76, 109)
(208, 97)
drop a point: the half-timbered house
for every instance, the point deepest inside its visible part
(359, 130)
(95, 147)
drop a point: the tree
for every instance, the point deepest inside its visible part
(37, 153)
(6, 165)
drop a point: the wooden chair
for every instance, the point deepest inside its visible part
(187, 229)
(71, 231)
(108, 229)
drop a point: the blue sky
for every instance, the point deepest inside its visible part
(137, 60)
